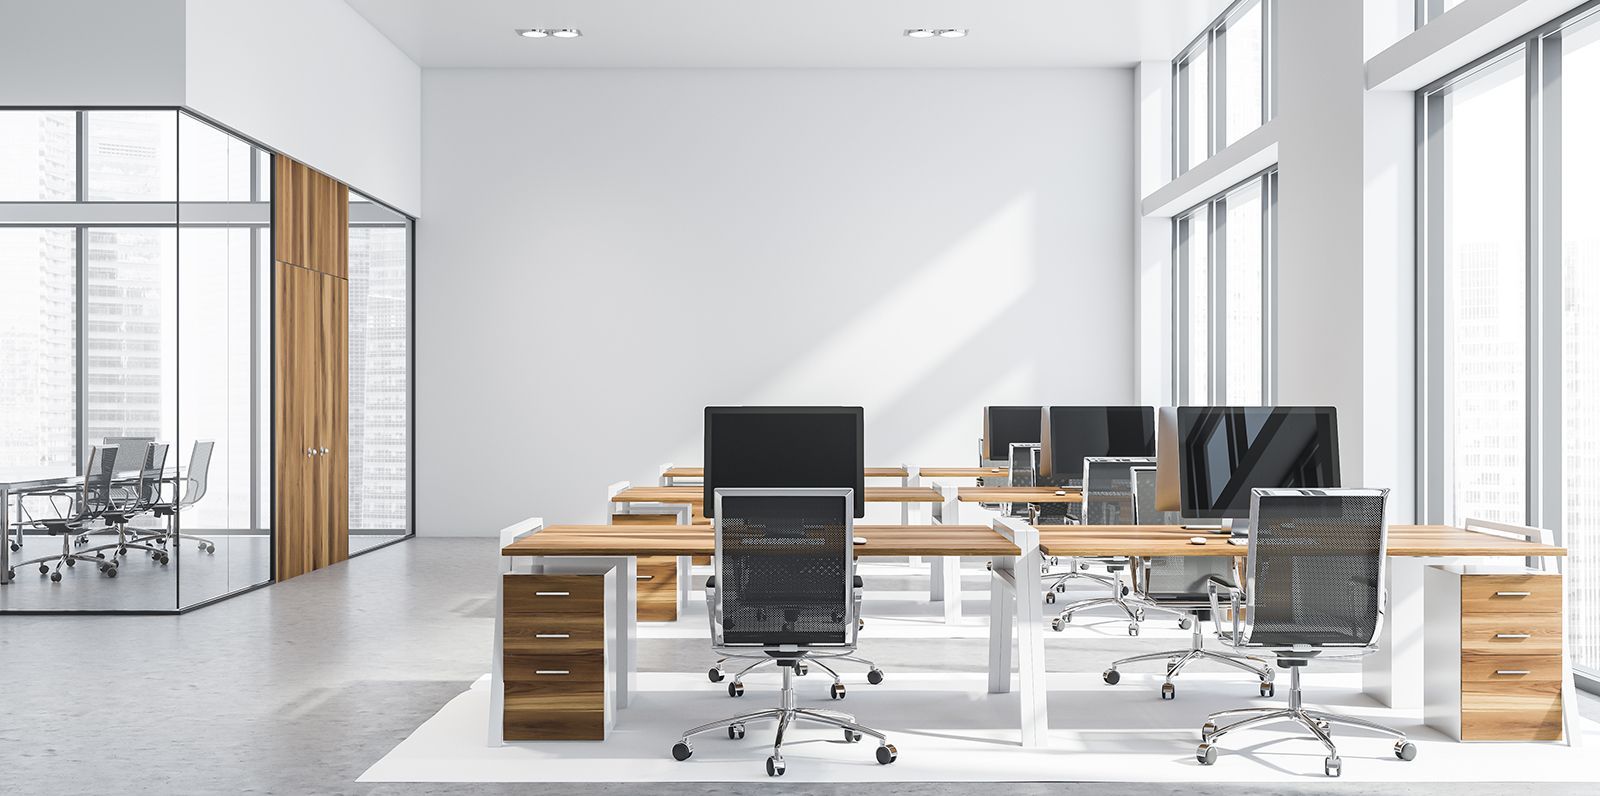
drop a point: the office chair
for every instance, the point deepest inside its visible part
(1182, 582)
(786, 589)
(84, 505)
(132, 450)
(1314, 585)
(193, 482)
(131, 502)
(1108, 500)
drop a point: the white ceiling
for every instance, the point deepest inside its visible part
(789, 33)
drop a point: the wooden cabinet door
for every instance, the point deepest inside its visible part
(311, 417)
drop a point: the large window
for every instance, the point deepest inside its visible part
(1509, 358)
(1223, 254)
(380, 384)
(1222, 83)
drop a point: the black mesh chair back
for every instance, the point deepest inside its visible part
(1315, 568)
(1173, 578)
(785, 566)
(1024, 466)
(148, 491)
(1108, 489)
(199, 468)
(99, 473)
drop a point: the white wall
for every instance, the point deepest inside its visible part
(312, 79)
(91, 52)
(606, 252)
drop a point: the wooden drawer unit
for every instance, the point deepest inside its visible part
(1493, 649)
(657, 592)
(554, 657)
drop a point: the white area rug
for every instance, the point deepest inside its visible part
(947, 728)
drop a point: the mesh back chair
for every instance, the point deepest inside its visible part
(193, 485)
(1182, 582)
(1314, 585)
(1108, 500)
(131, 501)
(1024, 472)
(786, 589)
(74, 510)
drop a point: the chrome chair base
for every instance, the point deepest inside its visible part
(836, 691)
(1177, 659)
(67, 557)
(1133, 606)
(787, 715)
(1318, 722)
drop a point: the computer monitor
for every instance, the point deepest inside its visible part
(1003, 425)
(1226, 451)
(784, 446)
(1070, 434)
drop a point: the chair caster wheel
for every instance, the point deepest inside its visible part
(735, 732)
(1185, 623)
(111, 571)
(714, 675)
(800, 670)
(1133, 628)
(44, 569)
(55, 577)
(1124, 591)
(101, 556)
(887, 754)
(122, 551)
(1267, 690)
(1206, 730)
(11, 574)
(775, 766)
(72, 561)
(1405, 750)
(163, 558)
(1330, 766)
(1057, 624)
(836, 691)
(1111, 676)
(1168, 691)
(736, 689)
(1050, 598)
(875, 676)
(210, 548)
(851, 736)
(681, 750)
(1326, 728)
(1061, 587)
(1206, 754)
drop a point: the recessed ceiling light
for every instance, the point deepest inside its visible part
(540, 33)
(919, 33)
(952, 33)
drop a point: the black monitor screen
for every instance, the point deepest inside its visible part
(1226, 451)
(1004, 425)
(1074, 433)
(784, 446)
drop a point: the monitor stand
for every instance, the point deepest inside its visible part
(1226, 526)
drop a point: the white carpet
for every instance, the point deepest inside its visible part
(947, 728)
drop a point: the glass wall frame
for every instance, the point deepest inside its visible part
(1548, 299)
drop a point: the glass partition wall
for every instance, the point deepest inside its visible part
(135, 306)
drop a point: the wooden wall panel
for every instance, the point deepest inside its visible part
(298, 498)
(310, 219)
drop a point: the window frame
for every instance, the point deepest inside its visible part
(1541, 52)
(1216, 300)
(1211, 48)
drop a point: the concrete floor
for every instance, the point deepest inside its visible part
(298, 688)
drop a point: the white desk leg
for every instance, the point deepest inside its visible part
(1393, 674)
(1002, 593)
(685, 576)
(1032, 685)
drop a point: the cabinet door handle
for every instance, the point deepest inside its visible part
(1513, 594)
(311, 451)
(1512, 671)
(556, 672)
(552, 635)
(552, 594)
(323, 451)
(1513, 635)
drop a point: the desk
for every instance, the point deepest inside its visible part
(602, 548)
(1394, 674)
(1019, 494)
(964, 472)
(671, 473)
(695, 495)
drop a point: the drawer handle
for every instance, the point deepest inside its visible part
(644, 577)
(1513, 635)
(552, 594)
(1512, 671)
(1513, 594)
(552, 671)
(552, 635)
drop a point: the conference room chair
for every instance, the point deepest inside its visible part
(74, 510)
(1184, 583)
(132, 501)
(1108, 500)
(786, 589)
(1314, 588)
(193, 483)
(131, 450)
